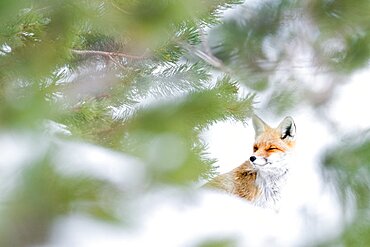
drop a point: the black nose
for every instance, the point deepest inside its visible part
(252, 158)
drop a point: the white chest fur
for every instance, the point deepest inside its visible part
(271, 186)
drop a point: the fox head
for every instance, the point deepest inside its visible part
(272, 145)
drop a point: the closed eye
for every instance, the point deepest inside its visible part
(272, 149)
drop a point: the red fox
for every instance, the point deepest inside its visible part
(260, 179)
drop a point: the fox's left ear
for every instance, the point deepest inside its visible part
(259, 125)
(287, 129)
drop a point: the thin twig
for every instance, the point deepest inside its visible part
(207, 48)
(116, 63)
(208, 58)
(120, 9)
(205, 53)
(107, 54)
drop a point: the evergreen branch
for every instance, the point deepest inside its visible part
(108, 54)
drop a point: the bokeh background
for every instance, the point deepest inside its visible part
(114, 112)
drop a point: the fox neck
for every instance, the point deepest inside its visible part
(270, 185)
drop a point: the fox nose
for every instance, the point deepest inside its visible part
(252, 158)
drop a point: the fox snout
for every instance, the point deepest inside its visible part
(261, 161)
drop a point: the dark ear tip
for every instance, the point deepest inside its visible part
(288, 128)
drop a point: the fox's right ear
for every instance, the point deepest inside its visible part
(287, 128)
(258, 124)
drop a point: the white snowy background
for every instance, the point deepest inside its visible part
(166, 216)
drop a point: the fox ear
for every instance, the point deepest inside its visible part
(287, 128)
(258, 124)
